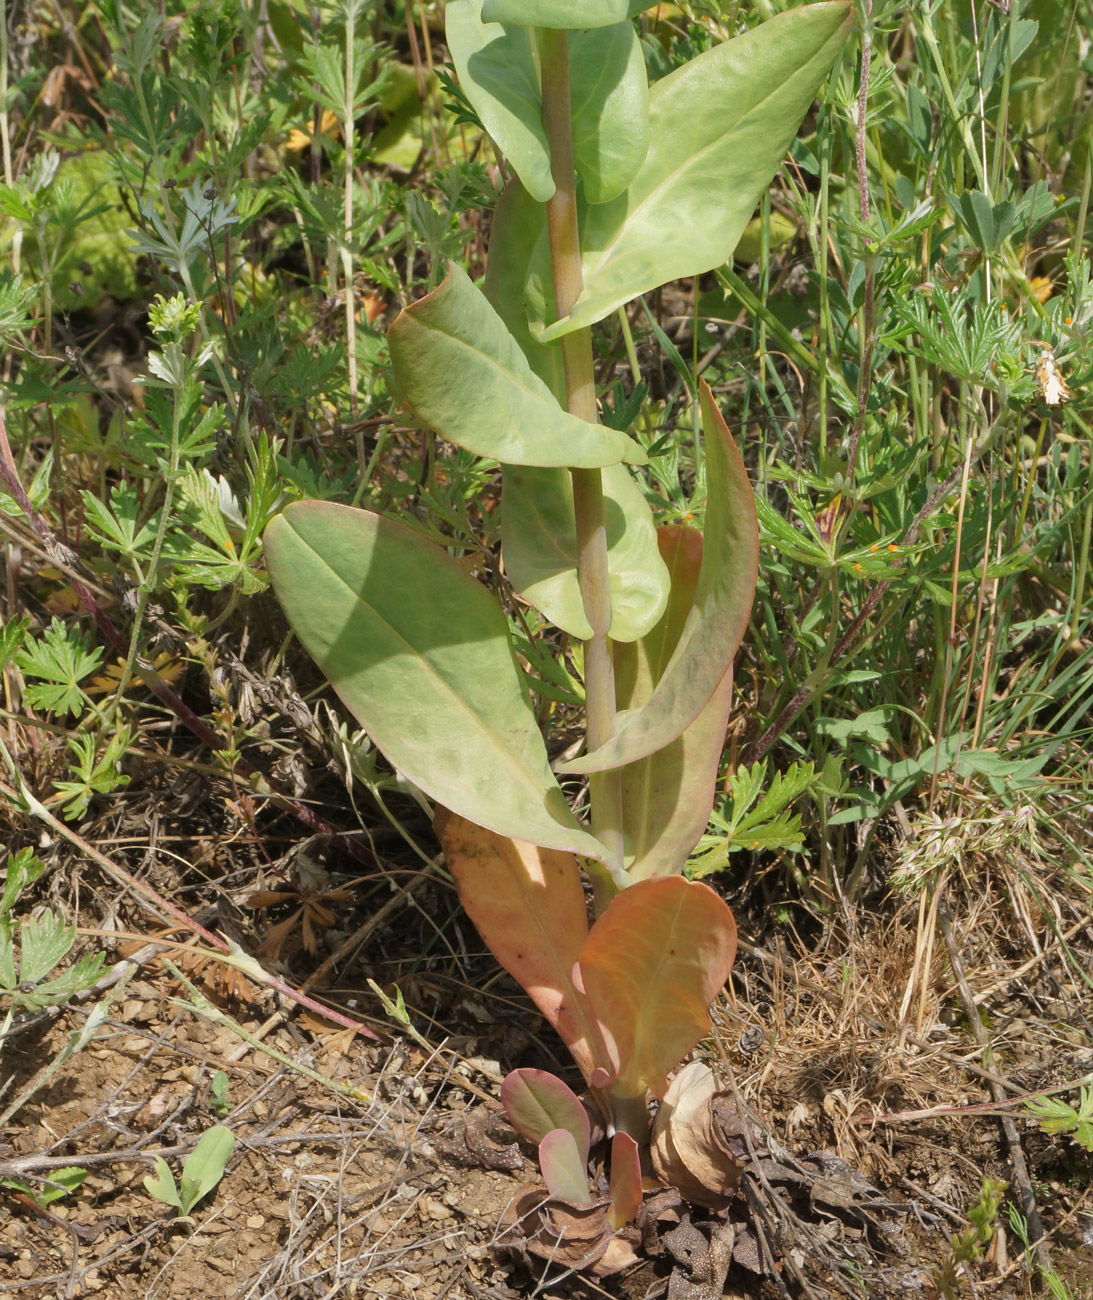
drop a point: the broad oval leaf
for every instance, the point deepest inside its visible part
(653, 962)
(719, 615)
(539, 546)
(573, 14)
(719, 127)
(464, 375)
(609, 93)
(668, 796)
(528, 905)
(498, 70)
(563, 1169)
(538, 1102)
(420, 654)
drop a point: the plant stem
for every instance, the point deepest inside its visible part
(347, 234)
(592, 570)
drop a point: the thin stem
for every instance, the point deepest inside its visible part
(152, 572)
(592, 568)
(865, 320)
(347, 235)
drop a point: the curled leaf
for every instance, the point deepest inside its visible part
(686, 1149)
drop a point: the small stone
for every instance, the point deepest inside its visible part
(256, 1220)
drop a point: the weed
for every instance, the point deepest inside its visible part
(202, 1170)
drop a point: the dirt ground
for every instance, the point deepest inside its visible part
(388, 1169)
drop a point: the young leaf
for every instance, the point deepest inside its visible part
(61, 1183)
(626, 1190)
(539, 545)
(655, 959)
(57, 663)
(668, 795)
(162, 1186)
(204, 1166)
(537, 1102)
(528, 905)
(563, 1169)
(463, 374)
(419, 652)
(719, 614)
(730, 113)
(44, 940)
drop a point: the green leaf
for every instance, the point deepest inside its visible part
(58, 662)
(719, 615)
(609, 94)
(538, 535)
(205, 1165)
(563, 1169)
(115, 527)
(61, 1183)
(988, 224)
(7, 958)
(498, 70)
(517, 221)
(463, 374)
(719, 127)
(538, 1102)
(419, 652)
(668, 795)
(573, 14)
(654, 961)
(161, 1185)
(12, 635)
(20, 870)
(45, 940)
(76, 979)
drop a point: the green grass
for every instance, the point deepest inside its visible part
(922, 626)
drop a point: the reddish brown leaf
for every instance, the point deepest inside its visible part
(654, 961)
(528, 905)
(538, 1102)
(625, 1180)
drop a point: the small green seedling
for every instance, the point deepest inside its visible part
(32, 948)
(218, 1101)
(202, 1170)
(1058, 1116)
(61, 1183)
